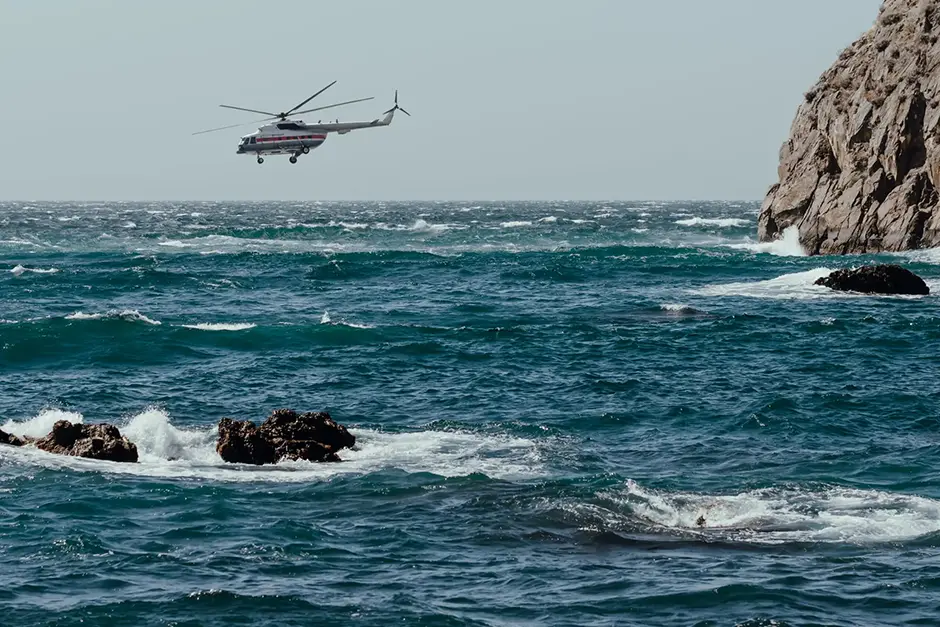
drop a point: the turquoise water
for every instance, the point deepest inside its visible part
(547, 396)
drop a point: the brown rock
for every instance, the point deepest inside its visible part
(101, 441)
(861, 169)
(284, 435)
(241, 442)
(12, 440)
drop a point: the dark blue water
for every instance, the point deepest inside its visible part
(547, 397)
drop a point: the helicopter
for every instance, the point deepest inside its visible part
(287, 136)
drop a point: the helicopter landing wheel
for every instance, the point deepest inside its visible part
(293, 159)
(306, 150)
(260, 160)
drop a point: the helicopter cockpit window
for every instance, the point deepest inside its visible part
(252, 140)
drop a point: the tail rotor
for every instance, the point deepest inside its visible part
(396, 107)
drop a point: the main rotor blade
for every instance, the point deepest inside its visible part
(273, 115)
(222, 128)
(338, 104)
(290, 111)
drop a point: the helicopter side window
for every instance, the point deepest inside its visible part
(252, 140)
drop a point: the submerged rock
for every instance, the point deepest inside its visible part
(12, 440)
(97, 441)
(883, 279)
(285, 435)
(861, 169)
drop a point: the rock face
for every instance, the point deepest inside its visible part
(285, 435)
(876, 280)
(12, 440)
(92, 441)
(861, 169)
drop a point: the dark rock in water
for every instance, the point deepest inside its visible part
(861, 169)
(883, 279)
(100, 441)
(12, 440)
(285, 435)
(241, 442)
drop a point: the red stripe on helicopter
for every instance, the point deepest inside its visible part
(290, 138)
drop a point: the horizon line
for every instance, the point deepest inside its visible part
(353, 200)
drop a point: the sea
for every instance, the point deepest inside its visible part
(567, 413)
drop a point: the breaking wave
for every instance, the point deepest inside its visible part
(788, 245)
(221, 326)
(128, 315)
(41, 424)
(19, 270)
(719, 222)
(827, 514)
(173, 452)
(798, 285)
(327, 319)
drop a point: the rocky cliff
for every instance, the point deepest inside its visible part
(861, 169)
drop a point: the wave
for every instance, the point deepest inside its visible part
(794, 286)
(221, 326)
(788, 245)
(513, 224)
(828, 514)
(677, 308)
(128, 315)
(41, 424)
(19, 270)
(327, 319)
(798, 285)
(425, 226)
(719, 222)
(169, 451)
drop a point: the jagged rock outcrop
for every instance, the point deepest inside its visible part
(100, 441)
(882, 279)
(861, 169)
(285, 435)
(12, 440)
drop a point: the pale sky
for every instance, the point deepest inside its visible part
(512, 99)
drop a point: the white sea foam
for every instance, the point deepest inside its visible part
(41, 424)
(777, 515)
(19, 270)
(422, 225)
(795, 286)
(549, 219)
(798, 285)
(172, 452)
(18, 241)
(678, 308)
(788, 245)
(327, 319)
(927, 255)
(129, 315)
(719, 222)
(514, 224)
(221, 326)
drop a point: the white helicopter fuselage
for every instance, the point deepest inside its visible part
(294, 137)
(280, 139)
